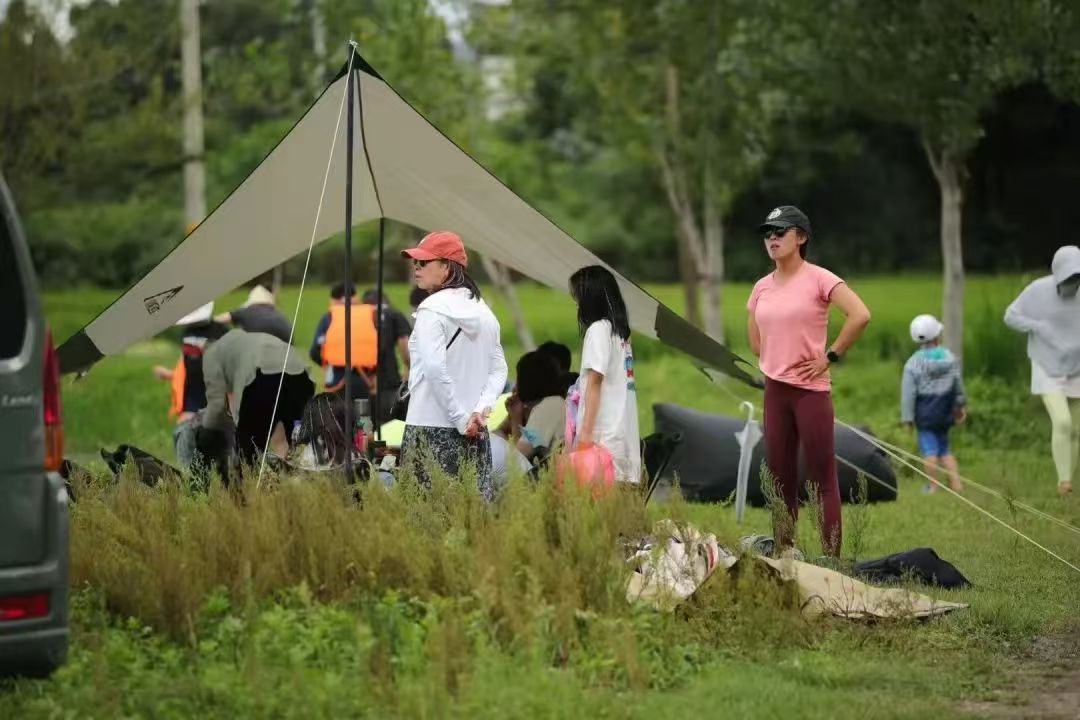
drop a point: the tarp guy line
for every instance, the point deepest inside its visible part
(992, 492)
(985, 512)
(873, 441)
(303, 279)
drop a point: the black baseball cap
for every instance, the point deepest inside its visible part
(786, 216)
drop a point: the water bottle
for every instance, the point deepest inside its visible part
(362, 419)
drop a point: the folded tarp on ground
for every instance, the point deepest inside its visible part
(676, 561)
(706, 462)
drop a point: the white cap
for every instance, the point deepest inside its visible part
(925, 328)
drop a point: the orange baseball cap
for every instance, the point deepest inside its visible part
(439, 245)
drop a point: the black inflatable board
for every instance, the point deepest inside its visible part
(707, 460)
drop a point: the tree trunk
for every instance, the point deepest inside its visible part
(712, 272)
(691, 254)
(505, 285)
(318, 47)
(949, 171)
(191, 81)
(688, 274)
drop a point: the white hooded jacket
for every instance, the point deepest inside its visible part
(1051, 321)
(447, 385)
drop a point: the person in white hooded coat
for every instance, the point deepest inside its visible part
(458, 367)
(1048, 310)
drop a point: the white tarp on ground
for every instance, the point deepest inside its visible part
(404, 169)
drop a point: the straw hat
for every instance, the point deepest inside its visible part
(259, 296)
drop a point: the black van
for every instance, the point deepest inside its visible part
(33, 501)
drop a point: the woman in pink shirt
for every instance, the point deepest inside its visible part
(788, 328)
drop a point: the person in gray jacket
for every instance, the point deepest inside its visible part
(243, 372)
(1048, 310)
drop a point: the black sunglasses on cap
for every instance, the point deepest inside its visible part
(772, 232)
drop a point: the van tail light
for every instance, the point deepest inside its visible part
(54, 427)
(24, 607)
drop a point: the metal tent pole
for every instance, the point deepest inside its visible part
(378, 404)
(350, 430)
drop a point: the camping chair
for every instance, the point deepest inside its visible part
(656, 452)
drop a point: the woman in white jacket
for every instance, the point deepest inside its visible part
(458, 368)
(1048, 310)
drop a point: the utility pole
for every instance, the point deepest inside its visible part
(194, 174)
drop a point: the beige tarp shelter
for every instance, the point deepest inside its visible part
(406, 170)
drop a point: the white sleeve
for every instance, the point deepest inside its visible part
(596, 352)
(431, 339)
(496, 379)
(1017, 317)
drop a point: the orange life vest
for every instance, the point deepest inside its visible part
(365, 349)
(179, 378)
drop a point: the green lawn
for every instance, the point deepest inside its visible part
(421, 607)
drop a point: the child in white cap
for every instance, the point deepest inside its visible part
(932, 398)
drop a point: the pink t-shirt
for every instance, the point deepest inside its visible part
(793, 319)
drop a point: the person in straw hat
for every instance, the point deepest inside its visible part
(258, 315)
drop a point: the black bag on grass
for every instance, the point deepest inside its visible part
(922, 564)
(149, 468)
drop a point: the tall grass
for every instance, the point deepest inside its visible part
(157, 553)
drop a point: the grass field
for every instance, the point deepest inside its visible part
(299, 604)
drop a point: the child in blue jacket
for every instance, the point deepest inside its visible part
(932, 398)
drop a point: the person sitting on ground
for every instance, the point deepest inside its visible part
(416, 296)
(259, 316)
(322, 441)
(328, 345)
(1048, 310)
(395, 330)
(561, 355)
(537, 408)
(932, 399)
(258, 384)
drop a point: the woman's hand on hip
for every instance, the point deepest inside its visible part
(813, 368)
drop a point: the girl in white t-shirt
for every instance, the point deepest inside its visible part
(607, 405)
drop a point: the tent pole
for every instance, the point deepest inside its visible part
(350, 431)
(377, 406)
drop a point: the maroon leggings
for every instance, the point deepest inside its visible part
(795, 416)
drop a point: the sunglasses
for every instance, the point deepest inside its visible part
(420, 263)
(776, 232)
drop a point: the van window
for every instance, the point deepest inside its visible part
(12, 295)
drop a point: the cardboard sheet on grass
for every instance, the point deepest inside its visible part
(671, 568)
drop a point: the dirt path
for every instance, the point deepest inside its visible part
(1048, 686)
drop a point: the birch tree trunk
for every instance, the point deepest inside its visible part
(949, 171)
(712, 272)
(503, 282)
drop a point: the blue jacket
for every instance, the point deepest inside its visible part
(932, 389)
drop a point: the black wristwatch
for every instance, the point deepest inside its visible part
(832, 356)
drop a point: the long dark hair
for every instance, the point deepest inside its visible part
(323, 426)
(458, 278)
(598, 297)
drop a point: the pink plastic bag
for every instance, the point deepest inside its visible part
(592, 466)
